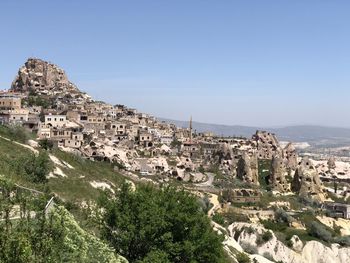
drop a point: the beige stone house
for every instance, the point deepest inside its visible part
(146, 139)
(57, 121)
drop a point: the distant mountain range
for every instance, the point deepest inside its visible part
(315, 135)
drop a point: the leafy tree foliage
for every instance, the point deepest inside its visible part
(159, 225)
(46, 144)
(35, 168)
(14, 132)
(30, 234)
(242, 258)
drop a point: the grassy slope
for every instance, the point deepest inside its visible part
(75, 187)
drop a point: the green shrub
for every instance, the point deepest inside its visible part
(232, 217)
(274, 226)
(242, 258)
(282, 216)
(249, 248)
(319, 231)
(289, 243)
(219, 219)
(35, 168)
(46, 144)
(343, 241)
(14, 132)
(250, 230)
(268, 256)
(267, 236)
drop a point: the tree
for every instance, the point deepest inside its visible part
(46, 144)
(35, 168)
(151, 225)
(242, 258)
(33, 235)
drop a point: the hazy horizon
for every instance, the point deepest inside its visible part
(265, 64)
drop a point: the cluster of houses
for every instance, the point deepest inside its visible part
(116, 133)
(11, 110)
(139, 142)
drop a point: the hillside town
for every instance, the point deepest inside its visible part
(44, 101)
(235, 172)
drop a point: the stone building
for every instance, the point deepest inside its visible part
(10, 102)
(338, 210)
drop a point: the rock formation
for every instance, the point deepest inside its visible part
(278, 172)
(267, 144)
(306, 180)
(39, 75)
(331, 164)
(247, 168)
(299, 252)
(290, 157)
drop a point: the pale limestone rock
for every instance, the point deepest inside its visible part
(247, 168)
(306, 180)
(277, 176)
(290, 156)
(267, 144)
(311, 252)
(39, 75)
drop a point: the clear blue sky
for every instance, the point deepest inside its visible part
(265, 63)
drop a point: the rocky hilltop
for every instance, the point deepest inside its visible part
(41, 81)
(39, 75)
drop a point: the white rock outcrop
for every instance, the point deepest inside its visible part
(311, 252)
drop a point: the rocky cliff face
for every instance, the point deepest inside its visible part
(267, 144)
(39, 75)
(278, 170)
(306, 180)
(247, 168)
(290, 156)
(310, 252)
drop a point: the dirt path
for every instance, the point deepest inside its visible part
(23, 145)
(214, 199)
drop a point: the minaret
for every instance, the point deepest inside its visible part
(191, 130)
